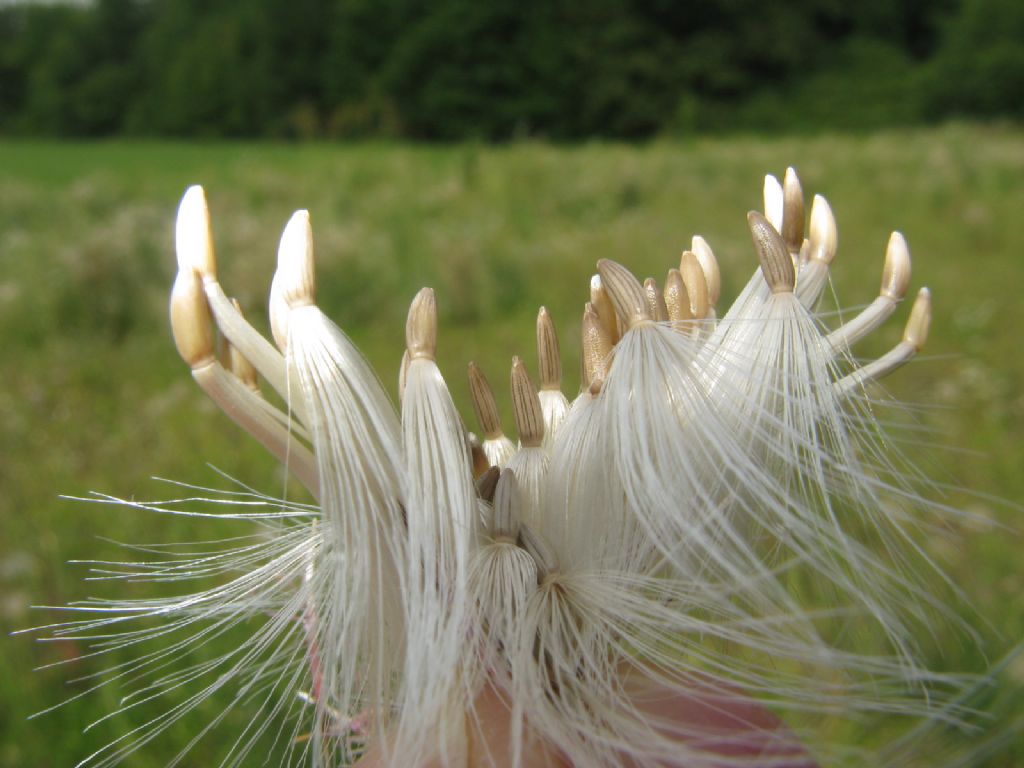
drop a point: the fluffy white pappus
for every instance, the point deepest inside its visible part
(530, 465)
(618, 669)
(699, 470)
(555, 407)
(811, 279)
(357, 612)
(498, 450)
(585, 517)
(502, 576)
(682, 469)
(577, 679)
(554, 647)
(752, 296)
(772, 375)
(259, 581)
(442, 532)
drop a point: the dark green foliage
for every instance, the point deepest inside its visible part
(69, 70)
(501, 69)
(980, 69)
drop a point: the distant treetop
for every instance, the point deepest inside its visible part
(498, 70)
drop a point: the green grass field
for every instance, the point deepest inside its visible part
(94, 398)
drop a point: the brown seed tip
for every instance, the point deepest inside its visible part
(421, 325)
(191, 321)
(295, 278)
(487, 483)
(477, 455)
(677, 300)
(243, 369)
(526, 406)
(792, 211)
(193, 236)
(596, 347)
(896, 273)
(696, 285)
(709, 264)
(824, 233)
(916, 332)
(239, 364)
(627, 295)
(604, 308)
(776, 263)
(655, 301)
(483, 403)
(548, 354)
(507, 510)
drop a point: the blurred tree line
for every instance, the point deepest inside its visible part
(497, 69)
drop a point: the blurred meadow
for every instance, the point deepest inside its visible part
(93, 396)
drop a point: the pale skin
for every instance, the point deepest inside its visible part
(732, 726)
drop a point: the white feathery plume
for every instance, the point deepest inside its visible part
(502, 576)
(792, 418)
(657, 574)
(585, 517)
(356, 613)
(681, 467)
(442, 532)
(578, 488)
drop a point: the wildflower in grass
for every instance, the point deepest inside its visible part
(687, 551)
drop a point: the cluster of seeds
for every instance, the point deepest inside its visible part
(650, 529)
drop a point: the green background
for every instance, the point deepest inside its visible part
(501, 69)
